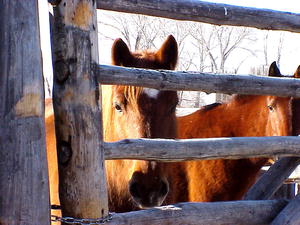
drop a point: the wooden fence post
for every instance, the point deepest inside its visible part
(83, 192)
(24, 189)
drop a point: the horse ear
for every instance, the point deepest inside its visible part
(167, 55)
(274, 71)
(120, 53)
(297, 73)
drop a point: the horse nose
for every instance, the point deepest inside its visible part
(135, 190)
(164, 189)
(147, 197)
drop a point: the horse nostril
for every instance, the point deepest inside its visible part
(134, 190)
(164, 188)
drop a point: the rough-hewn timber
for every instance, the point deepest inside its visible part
(24, 192)
(202, 148)
(201, 11)
(192, 81)
(83, 191)
(239, 212)
(290, 215)
(269, 183)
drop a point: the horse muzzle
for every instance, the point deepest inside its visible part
(147, 197)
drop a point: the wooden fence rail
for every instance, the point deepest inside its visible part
(218, 14)
(216, 213)
(70, 67)
(192, 81)
(206, 148)
(271, 180)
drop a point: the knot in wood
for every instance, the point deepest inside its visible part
(65, 153)
(62, 71)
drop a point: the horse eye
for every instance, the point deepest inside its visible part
(118, 107)
(271, 108)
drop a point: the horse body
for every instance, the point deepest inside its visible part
(131, 112)
(242, 116)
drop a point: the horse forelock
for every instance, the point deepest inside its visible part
(147, 59)
(242, 98)
(132, 93)
(144, 54)
(245, 99)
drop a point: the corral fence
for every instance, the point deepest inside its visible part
(24, 190)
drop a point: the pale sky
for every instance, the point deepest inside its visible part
(282, 5)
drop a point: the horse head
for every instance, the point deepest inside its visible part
(137, 112)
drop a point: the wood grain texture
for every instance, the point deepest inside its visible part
(83, 192)
(271, 181)
(216, 213)
(290, 215)
(192, 81)
(204, 148)
(201, 11)
(24, 190)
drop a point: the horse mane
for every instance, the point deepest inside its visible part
(273, 72)
(210, 106)
(241, 98)
(235, 98)
(132, 93)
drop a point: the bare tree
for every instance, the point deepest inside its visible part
(273, 46)
(266, 41)
(203, 41)
(280, 47)
(218, 43)
(140, 32)
(48, 86)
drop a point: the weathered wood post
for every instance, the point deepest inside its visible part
(24, 191)
(83, 192)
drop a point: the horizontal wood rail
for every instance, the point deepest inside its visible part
(213, 213)
(204, 148)
(206, 12)
(195, 81)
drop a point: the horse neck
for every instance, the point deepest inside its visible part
(235, 118)
(195, 125)
(253, 119)
(249, 115)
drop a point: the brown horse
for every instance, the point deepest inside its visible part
(136, 112)
(132, 112)
(242, 116)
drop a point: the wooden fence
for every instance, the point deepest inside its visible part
(24, 189)
(77, 74)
